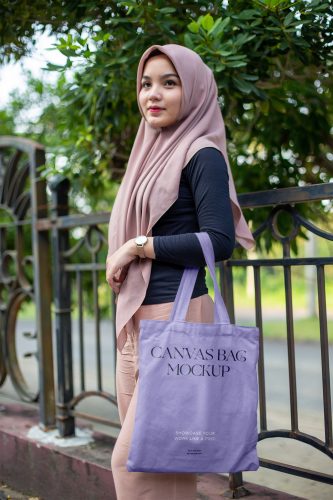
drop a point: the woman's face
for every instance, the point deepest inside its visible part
(161, 92)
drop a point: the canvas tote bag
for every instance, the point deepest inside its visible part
(198, 390)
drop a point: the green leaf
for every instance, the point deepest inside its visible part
(220, 67)
(167, 10)
(236, 64)
(53, 67)
(224, 53)
(82, 41)
(248, 14)
(188, 41)
(193, 27)
(225, 23)
(129, 43)
(245, 76)
(207, 22)
(242, 85)
(215, 25)
(289, 19)
(243, 38)
(68, 52)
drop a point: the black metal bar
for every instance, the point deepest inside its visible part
(290, 340)
(62, 298)
(42, 292)
(272, 197)
(227, 289)
(71, 221)
(296, 471)
(313, 441)
(281, 196)
(80, 319)
(97, 325)
(261, 363)
(285, 261)
(91, 266)
(113, 309)
(25, 222)
(93, 418)
(20, 143)
(325, 360)
(236, 485)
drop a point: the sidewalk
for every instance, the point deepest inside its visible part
(36, 467)
(7, 493)
(209, 488)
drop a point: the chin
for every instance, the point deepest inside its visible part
(156, 124)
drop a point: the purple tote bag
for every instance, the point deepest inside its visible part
(198, 389)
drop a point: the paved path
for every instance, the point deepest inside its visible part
(7, 493)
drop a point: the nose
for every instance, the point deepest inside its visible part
(155, 93)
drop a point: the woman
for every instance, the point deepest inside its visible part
(177, 182)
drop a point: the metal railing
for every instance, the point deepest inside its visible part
(74, 276)
(285, 201)
(23, 199)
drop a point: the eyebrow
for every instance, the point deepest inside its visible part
(162, 76)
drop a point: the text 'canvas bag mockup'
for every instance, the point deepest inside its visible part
(198, 389)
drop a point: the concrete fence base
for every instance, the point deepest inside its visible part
(53, 472)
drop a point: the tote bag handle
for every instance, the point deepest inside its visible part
(187, 283)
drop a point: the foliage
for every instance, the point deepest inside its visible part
(21, 21)
(272, 61)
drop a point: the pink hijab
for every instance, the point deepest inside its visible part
(151, 181)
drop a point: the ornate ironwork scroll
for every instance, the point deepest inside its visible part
(24, 269)
(71, 275)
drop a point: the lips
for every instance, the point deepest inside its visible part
(155, 109)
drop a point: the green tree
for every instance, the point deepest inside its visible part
(272, 61)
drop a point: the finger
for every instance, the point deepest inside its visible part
(113, 284)
(118, 279)
(115, 288)
(120, 276)
(124, 273)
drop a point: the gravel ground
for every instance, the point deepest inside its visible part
(7, 493)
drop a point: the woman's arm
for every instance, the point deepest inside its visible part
(118, 263)
(208, 178)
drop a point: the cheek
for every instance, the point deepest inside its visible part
(178, 99)
(141, 96)
(141, 101)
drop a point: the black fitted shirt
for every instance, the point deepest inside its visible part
(203, 205)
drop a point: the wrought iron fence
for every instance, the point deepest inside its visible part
(23, 201)
(283, 201)
(77, 283)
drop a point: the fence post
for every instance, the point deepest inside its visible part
(62, 299)
(236, 485)
(42, 288)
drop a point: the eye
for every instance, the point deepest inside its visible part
(143, 84)
(170, 81)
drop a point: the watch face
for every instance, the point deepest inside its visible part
(141, 240)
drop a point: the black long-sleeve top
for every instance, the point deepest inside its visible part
(203, 205)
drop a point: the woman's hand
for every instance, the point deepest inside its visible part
(118, 263)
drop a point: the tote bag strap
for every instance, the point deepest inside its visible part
(187, 283)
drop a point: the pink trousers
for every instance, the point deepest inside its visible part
(144, 485)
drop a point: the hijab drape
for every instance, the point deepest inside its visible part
(151, 181)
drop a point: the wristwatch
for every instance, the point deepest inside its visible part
(140, 242)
